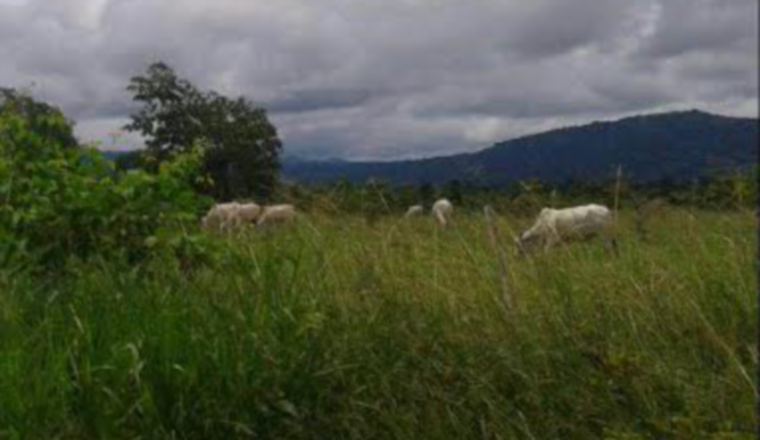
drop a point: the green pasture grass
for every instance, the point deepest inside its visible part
(336, 327)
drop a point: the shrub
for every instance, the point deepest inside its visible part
(58, 202)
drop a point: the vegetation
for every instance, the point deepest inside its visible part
(737, 190)
(120, 319)
(242, 146)
(37, 115)
(59, 202)
(335, 329)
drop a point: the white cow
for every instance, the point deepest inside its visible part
(556, 225)
(249, 212)
(277, 214)
(222, 216)
(231, 215)
(442, 210)
(413, 211)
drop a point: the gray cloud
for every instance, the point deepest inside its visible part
(685, 26)
(317, 99)
(552, 28)
(400, 78)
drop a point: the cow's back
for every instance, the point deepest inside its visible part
(583, 220)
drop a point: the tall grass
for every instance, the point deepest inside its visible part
(334, 328)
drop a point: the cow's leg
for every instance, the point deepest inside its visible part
(550, 242)
(552, 238)
(230, 224)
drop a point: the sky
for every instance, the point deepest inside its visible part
(389, 79)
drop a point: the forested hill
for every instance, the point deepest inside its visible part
(676, 146)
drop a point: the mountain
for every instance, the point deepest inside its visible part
(676, 146)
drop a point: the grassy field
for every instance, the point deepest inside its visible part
(333, 328)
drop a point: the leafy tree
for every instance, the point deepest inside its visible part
(376, 197)
(407, 196)
(453, 191)
(243, 146)
(426, 193)
(39, 117)
(130, 160)
(59, 203)
(734, 190)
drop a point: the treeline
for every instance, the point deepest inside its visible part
(728, 191)
(734, 190)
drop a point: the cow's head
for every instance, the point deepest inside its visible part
(525, 243)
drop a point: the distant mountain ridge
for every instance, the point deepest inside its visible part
(675, 146)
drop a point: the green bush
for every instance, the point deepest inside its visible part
(58, 202)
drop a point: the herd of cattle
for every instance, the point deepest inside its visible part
(232, 215)
(552, 226)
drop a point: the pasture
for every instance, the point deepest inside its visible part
(336, 328)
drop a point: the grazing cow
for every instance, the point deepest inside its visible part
(277, 214)
(556, 225)
(222, 216)
(413, 211)
(442, 210)
(249, 212)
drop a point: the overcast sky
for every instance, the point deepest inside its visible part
(391, 78)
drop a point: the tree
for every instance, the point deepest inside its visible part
(60, 202)
(453, 191)
(376, 197)
(243, 146)
(39, 116)
(407, 196)
(426, 194)
(129, 160)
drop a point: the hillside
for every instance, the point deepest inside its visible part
(677, 146)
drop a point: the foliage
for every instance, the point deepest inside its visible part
(37, 115)
(243, 147)
(734, 191)
(59, 203)
(130, 160)
(731, 191)
(453, 191)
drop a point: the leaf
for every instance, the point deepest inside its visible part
(287, 407)
(151, 241)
